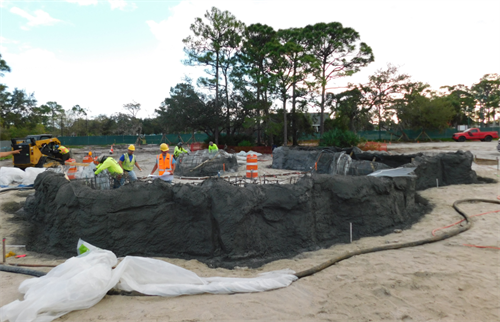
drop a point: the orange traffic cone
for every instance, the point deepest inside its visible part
(111, 150)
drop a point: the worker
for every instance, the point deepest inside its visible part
(165, 163)
(179, 150)
(127, 162)
(113, 167)
(212, 147)
(6, 154)
(61, 152)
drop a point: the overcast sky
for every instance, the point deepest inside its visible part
(101, 54)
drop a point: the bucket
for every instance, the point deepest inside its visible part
(72, 169)
(252, 167)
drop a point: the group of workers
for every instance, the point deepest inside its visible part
(124, 167)
(165, 164)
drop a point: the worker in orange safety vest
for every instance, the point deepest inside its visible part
(165, 163)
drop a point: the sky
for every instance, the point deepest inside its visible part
(102, 54)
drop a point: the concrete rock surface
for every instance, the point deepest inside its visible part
(215, 222)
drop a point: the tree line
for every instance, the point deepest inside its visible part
(262, 84)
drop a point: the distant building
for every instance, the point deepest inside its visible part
(315, 118)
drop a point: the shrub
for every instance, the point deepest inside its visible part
(245, 143)
(339, 138)
(232, 140)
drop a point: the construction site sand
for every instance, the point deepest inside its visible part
(444, 281)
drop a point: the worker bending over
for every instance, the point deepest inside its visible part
(179, 150)
(165, 163)
(113, 167)
(127, 162)
(61, 152)
(212, 147)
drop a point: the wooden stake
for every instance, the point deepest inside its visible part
(3, 250)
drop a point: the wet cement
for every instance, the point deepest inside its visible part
(215, 222)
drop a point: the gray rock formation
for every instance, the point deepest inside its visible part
(216, 222)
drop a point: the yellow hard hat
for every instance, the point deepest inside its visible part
(131, 147)
(164, 147)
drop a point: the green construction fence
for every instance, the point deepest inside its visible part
(132, 139)
(200, 137)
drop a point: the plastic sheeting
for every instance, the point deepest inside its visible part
(83, 281)
(8, 175)
(242, 155)
(11, 175)
(30, 175)
(165, 177)
(398, 172)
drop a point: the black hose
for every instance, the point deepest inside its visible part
(334, 260)
(16, 188)
(433, 239)
(20, 270)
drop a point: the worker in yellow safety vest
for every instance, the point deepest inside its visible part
(61, 152)
(165, 163)
(179, 150)
(114, 169)
(127, 162)
(212, 147)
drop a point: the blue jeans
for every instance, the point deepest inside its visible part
(131, 176)
(117, 183)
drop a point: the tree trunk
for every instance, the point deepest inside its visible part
(216, 134)
(322, 106)
(285, 134)
(294, 118)
(228, 125)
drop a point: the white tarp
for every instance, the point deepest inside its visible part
(30, 175)
(242, 155)
(165, 177)
(82, 281)
(397, 172)
(10, 176)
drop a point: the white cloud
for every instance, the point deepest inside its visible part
(40, 18)
(122, 5)
(83, 2)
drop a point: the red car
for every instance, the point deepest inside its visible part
(475, 134)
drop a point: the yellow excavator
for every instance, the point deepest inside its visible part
(35, 151)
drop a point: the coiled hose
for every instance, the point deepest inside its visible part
(433, 239)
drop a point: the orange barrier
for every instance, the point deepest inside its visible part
(373, 146)
(72, 170)
(196, 146)
(252, 167)
(88, 158)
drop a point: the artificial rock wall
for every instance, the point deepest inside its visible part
(216, 222)
(446, 168)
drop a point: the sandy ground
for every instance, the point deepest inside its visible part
(443, 281)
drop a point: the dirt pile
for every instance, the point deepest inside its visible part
(216, 222)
